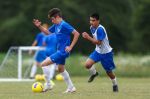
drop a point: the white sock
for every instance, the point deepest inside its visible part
(52, 70)
(33, 70)
(67, 79)
(92, 70)
(46, 71)
(114, 81)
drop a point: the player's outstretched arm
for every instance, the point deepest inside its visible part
(37, 23)
(88, 37)
(74, 41)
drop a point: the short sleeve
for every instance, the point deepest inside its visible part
(101, 34)
(68, 28)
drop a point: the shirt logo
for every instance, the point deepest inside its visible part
(58, 30)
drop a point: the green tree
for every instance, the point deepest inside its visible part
(141, 28)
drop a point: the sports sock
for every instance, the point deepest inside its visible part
(52, 70)
(46, 72)
(67, 79)
(33, 70)
(92, 70)
(114, 81)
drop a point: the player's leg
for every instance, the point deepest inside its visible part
(67, 79)
(113, 79)
(46, 70)
(47, 85)
(37, 58)
(49, 72)
(109, 66)
(34, 69)
(47, 62)
(89, 64)
(52, 70)
(59, 59)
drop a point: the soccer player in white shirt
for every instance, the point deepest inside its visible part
(103, 52)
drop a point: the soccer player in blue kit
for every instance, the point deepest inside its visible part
(39, 55)
(63, 31)
(103, 52)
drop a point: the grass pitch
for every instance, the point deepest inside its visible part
(101, 88)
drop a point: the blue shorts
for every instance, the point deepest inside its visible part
(59, 57)
(40, 56)
(105, 59)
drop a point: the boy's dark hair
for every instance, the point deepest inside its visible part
(95, 15)
(54, 12)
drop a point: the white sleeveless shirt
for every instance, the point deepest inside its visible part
(104, 47)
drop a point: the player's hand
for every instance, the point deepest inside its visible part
(36, 22)
(85, 35)
(68, 49)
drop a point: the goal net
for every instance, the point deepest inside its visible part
(17, 63)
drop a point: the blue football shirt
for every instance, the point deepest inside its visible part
(39, 38)
(51, 44)
(62, 31)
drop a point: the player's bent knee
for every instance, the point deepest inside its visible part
(108, 72)
(61, 69)
(46, 62)
(88, 66)
(43, 64)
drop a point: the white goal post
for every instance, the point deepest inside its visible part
(12, 59)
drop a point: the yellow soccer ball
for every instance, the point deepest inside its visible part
(37, 87)
(38, 77)
(59, 77)
(43, 77)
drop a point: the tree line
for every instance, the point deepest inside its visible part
(126, 21)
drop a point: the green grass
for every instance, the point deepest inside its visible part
(126, 65)
(129, 88)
